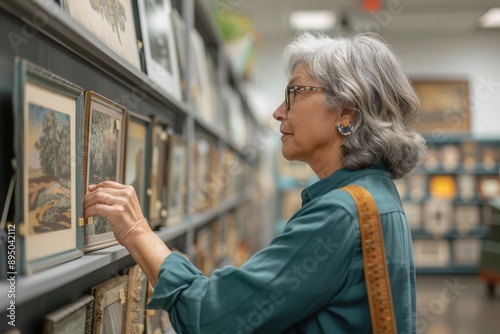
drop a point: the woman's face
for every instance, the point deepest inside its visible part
(308, 128)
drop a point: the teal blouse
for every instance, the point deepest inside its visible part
(309, 279)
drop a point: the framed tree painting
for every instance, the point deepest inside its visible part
(137, 156)
(112, 22)
(157, 177)
(73, 318)
(159, 45)
(444, 106)
(176, 180)
(103, 137)
(48, 158)
(136, 301)
(110, 305)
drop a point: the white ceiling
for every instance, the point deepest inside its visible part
(397, 17)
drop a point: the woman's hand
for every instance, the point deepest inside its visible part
(117, 203)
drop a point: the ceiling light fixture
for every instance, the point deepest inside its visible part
(490, 19)
(312, 20)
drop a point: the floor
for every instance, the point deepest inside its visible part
(456, 305)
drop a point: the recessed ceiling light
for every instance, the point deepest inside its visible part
(490, 19)
(312, 20)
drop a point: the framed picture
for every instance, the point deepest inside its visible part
(157, 321)
(136, 301)
(110, 305)
(74, 318)
(201, 171)
(203, 93)
(137, 156)
(159, 45)
(112, 22)
(176, 181)
(180, 32)
(444, 106)
(157, 177)
(49, 158)
(103, 137)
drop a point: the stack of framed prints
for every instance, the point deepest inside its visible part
(103, 159)
(49, 159)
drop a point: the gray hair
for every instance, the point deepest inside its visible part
(363, 75)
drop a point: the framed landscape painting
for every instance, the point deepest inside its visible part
(159, 45)
(112, 22)
(49, 158)
(137, 156)
(73, 318)
(444, 106)
(103, 137)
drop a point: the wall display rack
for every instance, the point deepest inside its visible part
(57, 38)
(446, 201)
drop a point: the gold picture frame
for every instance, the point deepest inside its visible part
(136, 300)
(176, 180)
(110, 302)
(73, 318)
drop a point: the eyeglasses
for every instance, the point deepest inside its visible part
(289, 89)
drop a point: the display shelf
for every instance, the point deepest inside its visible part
(451, 270)
(454, 233)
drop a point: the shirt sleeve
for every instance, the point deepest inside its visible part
(302, 270)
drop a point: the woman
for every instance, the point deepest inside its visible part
(349, 112)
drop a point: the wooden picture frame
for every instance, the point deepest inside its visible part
(159, 45)
(176, 180)
(136, 301)
(444, 106)
(158, 177)
(110, 302)
(137, 156)
(73, 318)
(114, 26)
(104, 121)
(49, 158)
(157, 321)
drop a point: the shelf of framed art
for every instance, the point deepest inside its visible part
(68, 26)
(479, 232)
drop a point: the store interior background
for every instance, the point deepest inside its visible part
(435, 40)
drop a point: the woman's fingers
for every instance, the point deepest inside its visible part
(106, 184)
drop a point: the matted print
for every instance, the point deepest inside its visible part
(158, 176)
(159, 45)
(104, 159)
(111, 21)
(110, 305)
(75, 318)
(176, 181)
(48, 156)
(137, 156)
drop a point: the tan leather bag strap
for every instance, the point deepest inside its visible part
(374, 261)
